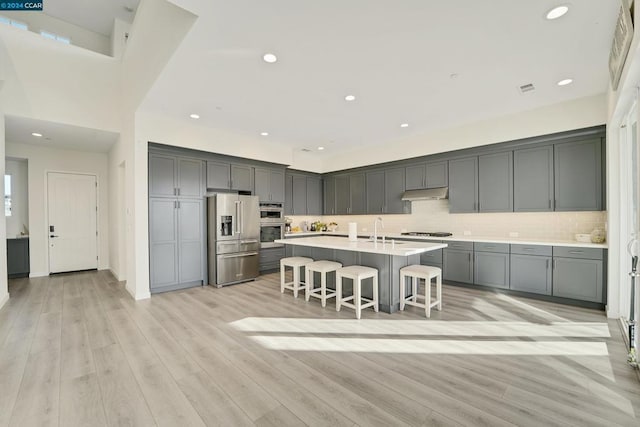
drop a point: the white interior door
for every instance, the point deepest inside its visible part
(72, 228)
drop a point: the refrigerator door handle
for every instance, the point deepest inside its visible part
(241, 222)
(237, 217)
(243, 254)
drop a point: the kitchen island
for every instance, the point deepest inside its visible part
(388, 257)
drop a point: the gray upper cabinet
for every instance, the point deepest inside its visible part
(222, 175)
(171, 176)
(437, 174)
(415, 176)
(269, 185)
(162, 175)
(427, 175)
(299, 201)
(342, 199)
(533, 179)
(578, 175)
(241, 177)
(463, 185)
(314, 195)
(303, 194)
(357, 193)
(329, 196)
(218, 175)
(495, 182)
(190, 173)
(375, 192)
(394, 186)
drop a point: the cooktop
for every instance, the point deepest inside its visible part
(428, 233)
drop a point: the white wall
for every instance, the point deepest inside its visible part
(119, 35)
(576, 114)
(79, 36)
(19, 219)
(45, 159)
(58, 83)
(4, 283)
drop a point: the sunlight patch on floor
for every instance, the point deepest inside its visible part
(373, 345)
(421, 327)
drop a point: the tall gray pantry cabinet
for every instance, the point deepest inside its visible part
(176, 222)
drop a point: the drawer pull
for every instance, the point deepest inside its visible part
(528, 249)
(576, 252)
(490, 247)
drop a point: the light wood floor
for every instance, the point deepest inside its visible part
(76, 350)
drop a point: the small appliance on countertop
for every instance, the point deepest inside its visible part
(427, 233)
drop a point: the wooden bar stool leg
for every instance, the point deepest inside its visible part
(357, 290)
(375, 293)
(403, 288)
(338, 291)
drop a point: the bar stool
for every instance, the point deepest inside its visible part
(415, 273)
(357, 273)
(296, 263)
(322, 267)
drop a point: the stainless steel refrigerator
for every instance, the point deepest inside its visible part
(233, 238)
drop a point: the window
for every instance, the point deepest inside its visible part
(56, 37)
(14, 23)
(7, 195)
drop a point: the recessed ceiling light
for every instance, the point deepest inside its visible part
(565, 82)
(557, 12)
(350, 98)
(404, 125)
(36, 134)
(264, 133)
(195, 116)
(270, 58)
(320, 148)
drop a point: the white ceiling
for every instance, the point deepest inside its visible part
(397, 57)
(19, 130)
(94, 15)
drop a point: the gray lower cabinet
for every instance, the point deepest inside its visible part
(18, 258)
(458, 265)
(432, 258)
(270, 258)
(495, 182)
(533, 179)
(491, 264)
(269, 185)
(578, 175)
(530, 273)
(463, 185)
(578, 274)
(176, 243)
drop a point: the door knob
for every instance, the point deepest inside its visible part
(53, 235)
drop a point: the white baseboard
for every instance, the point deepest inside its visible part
(4, 300)
(138, 296)
(115, 274)
(38, 275)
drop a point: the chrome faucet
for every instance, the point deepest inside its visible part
(375, 228)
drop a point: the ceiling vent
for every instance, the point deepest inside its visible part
(529, 87)
(306, 150)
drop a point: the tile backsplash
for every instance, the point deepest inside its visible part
(433, 215)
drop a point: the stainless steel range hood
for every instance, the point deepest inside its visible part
(426, 194)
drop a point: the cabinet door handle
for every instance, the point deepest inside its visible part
(549, 203)
(555, 264)
(469, 256)
(178, 204)
(178, 191)
(175, 204)
(547, 262)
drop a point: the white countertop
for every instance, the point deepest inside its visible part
(364, 245)
(509, 240)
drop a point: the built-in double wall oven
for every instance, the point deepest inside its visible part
(271, 224)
